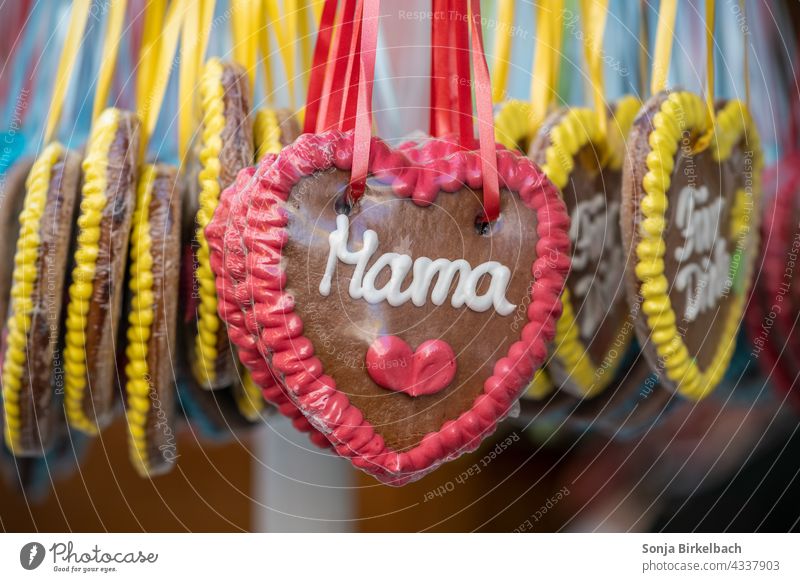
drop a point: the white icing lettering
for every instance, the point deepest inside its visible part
(423, 269)
(706, 278)
(593, 232)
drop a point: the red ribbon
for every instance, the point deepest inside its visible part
(483, 100)
(457, 58)
(362, 135)
(443, 102)
(460, 81)
(348, 111)
(319, 65)
(339, 62)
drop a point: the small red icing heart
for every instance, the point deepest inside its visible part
(393, 365)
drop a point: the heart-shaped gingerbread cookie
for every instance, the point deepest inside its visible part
(310, 282)
(690, 217)
(584, 160)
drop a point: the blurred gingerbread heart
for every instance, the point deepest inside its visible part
(690, 190)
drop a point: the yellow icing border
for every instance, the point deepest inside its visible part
(513, 127)
(249, 400)
(625, 111)
(140, 321)
(93, 202)
(686, 111)
(204, 363)
(24, 277)
(578, 128)
(267, 133)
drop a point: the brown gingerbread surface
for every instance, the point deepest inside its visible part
(342, 328)
(697, 235)
(105, 307)
(592, 195)
(12, 197)
(237, 152)
(165, 224)
(43, 377)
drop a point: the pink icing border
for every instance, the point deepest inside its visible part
(263, 324)
(229, 213)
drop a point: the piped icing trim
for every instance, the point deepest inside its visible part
(619, 126)
(231, 213)
(514, 129)
(577, 129)
(273, 331)
(513, 126)
(683, 109)
(779, 231)
(267, 133)
(140, 321)
(249, 401)
(204, 362)
(93, 203)
(24, 277)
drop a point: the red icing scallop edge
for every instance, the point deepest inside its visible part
(263, 324)
(229, 213)
(780, 234)
(778, 362)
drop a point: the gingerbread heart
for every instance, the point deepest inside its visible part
(310, 282)
(392, 364)
(584, 160)
(230, 217)
(690, 219)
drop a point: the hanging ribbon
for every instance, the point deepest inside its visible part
(341, 62)
(245, 23)
(459, 29)
(111, 42)
(286, 30)
(195, 32)
(443, 102)
(151, 41)
(665, 32)
(265, 47)
(69, 53)
(483, 102)
(710, 25)
(483, 98)
(746, 52)
(594, 14)
(451, 93)
(319, 65)
(546, 59)
(306, 44)
(159, 62)
(362, 135)
(558, 34)
(644, 45)
(704, 141)
(502, 48)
